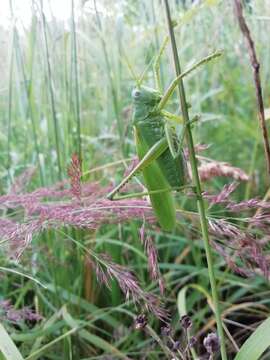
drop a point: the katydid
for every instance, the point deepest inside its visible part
(162, 161)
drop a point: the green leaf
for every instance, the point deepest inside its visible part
(7, 346)
(256, 344)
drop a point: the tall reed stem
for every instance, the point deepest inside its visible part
(28, 91)
(110, 78)
(10, 98)
(51, 93)
(196, 180)
(76, 76)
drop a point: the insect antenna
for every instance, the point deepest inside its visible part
(131, 70)
(155, 62)
(145, 71)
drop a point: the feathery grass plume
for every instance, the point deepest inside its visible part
(9, 313)
(56, 203)
(7, 226)
(13, 201)
(152, 256)
(223, 195)
(221, 227)
(22, 180)
(54, 207)
(75, 174)
(106, 270)
(248, 204)
(209, 170)
(91, 215)
(231, 261)
(151, 252)
(198, 148)
(20, 237)
(260, 221)
(235, 244)
(214, 168)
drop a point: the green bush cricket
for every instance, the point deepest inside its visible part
(162, 161)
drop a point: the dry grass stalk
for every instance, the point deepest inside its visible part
(256, 74)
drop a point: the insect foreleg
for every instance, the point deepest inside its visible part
(172, 140)
(174, 144)
(154, 152)
(172, 117)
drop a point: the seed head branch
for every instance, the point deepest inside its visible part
(256, 74)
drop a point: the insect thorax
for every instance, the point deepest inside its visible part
(150, 128)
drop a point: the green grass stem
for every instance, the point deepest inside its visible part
(196, 179)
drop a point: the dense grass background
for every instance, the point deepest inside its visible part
(65, 88)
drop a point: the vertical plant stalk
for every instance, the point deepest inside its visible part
(10, 98)
(256, 74)
(76, 76)
(51, 95)
(113, 89)
(196, 180)
(28, 90)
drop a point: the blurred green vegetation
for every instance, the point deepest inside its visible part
(65, 88)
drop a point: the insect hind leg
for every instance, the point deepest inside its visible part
(153, 153)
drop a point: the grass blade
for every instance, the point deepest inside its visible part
(7, 346)
(256, 344)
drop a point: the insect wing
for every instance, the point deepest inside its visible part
(172, 162)
(162, 203)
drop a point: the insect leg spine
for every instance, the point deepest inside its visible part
(127, 181)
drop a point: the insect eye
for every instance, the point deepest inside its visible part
(136, 93)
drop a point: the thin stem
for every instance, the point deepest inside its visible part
(10, 98)
(110, 77)
(76, 76)
(256, 75)
(154, 335)
(28, 90)
(51, 93)
(196, 179)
